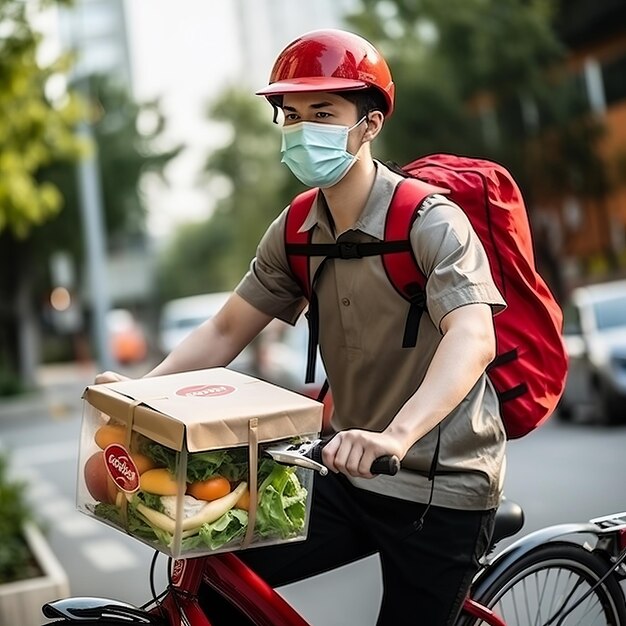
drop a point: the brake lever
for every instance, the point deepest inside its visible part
(308, 454)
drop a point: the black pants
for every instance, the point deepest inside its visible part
(426, 573)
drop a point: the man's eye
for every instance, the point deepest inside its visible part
(291, 116)
(322, 114)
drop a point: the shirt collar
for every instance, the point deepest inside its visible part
(372, 218)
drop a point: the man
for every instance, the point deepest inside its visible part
(431, 405)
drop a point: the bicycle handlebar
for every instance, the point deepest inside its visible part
(387, 465)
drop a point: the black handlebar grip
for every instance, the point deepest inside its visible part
(388, 464)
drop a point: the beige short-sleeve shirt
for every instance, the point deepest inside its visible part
(362, 320)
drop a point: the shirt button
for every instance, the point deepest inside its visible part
(345, 301)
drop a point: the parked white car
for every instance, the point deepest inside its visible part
(595, 337)
(181, 316)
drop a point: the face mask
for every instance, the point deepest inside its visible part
(317, 153)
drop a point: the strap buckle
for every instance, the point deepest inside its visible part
(349, 250)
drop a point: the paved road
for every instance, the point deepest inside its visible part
(560, 473)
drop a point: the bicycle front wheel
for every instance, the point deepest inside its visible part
(541, 588)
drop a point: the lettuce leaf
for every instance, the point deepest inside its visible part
(231, 525)
(231, 464)
(281, 510)
(137, 524)
(151, 500)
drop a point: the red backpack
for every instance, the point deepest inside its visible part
(530, 368)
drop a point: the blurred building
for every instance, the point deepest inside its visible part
(581, 236)
(595, 33)
(267, 26)
(96, 31)
(579, 209)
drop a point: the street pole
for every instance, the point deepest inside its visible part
(89, 187)
(94, 237)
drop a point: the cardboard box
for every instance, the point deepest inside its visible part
(167, 460)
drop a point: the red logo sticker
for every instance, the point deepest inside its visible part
(178, 570)
(205, 391)
(121, 468)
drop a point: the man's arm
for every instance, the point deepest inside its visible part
(215, 343)
(465, 351)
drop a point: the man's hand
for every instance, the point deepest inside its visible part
(352, 452)
(110, 377)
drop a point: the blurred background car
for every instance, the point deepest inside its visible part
(127, 339)
(595, 338)
(181, 316)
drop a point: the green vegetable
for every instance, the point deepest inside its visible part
(282, 503)
(151, 500)
(137, 524)
(225, 529)
(232, 464)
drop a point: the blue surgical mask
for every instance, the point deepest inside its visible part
(317, 153)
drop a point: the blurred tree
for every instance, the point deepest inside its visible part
(127, 149)
(453, 61)
(254, 187)
(38, 179)
(36, 129)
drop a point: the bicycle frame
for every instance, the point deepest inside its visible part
(228, 575)
(236, 582)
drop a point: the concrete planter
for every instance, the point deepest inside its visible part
(21, 601)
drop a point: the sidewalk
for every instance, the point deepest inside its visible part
(60, 389)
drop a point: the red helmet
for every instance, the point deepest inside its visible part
(330, 60)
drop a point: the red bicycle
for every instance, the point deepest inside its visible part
(567, 574)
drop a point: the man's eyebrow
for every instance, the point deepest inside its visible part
(317, 105)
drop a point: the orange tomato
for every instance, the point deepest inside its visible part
(110, 433)
(244, 501)
(209, 489)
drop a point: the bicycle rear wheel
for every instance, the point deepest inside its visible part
(542, 585)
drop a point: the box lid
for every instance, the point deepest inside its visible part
(208, 409)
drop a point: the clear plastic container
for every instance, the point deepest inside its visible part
(179, 479)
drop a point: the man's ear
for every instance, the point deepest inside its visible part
(375, 121)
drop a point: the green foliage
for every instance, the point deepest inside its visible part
(39, 150)
(470, 74)
(34, 130)
(10, 383)
(124, 155)
(16, 562)
(197, 259)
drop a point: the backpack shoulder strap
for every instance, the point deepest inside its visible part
(401, 267)
(296, 214)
